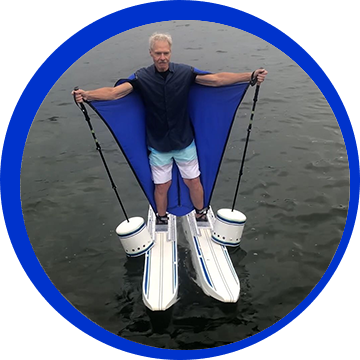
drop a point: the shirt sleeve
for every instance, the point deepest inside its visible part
(194, 73)
(197, 72)
(133, 82)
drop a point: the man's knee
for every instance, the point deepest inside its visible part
(163, 188)
(193, 183)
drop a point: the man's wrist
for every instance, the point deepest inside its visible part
(86, 96)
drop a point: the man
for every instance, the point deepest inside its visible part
(164, 87)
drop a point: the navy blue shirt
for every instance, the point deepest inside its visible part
(168, 125)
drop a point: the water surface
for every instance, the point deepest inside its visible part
(294, 192)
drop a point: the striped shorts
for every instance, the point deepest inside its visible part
(186, 160)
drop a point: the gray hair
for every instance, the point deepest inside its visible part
(159, 37)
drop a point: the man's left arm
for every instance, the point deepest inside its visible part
(225, 78)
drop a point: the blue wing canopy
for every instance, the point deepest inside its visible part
(212, 111)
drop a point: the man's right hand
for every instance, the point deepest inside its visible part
(80, 95)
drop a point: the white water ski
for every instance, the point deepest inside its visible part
(160, 281)
(215, 273)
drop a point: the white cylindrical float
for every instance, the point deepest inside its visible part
(228, 227)
(134, 236)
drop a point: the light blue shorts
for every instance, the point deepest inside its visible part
(186, 160)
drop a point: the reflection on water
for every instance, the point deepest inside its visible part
(294, 192)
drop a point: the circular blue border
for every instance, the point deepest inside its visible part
(39, 321)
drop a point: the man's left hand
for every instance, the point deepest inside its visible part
(260, 75)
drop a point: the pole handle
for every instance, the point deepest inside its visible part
(80, 105)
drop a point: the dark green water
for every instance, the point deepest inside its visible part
(294, 192)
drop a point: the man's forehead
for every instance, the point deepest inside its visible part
(161, 45)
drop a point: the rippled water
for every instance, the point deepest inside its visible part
(294, 192)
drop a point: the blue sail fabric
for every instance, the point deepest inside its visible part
(212, 111)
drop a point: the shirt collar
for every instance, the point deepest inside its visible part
(171, 67)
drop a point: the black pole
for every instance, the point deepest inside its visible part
(246, 143)
(82, 107)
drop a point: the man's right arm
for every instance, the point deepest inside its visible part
(106, 93)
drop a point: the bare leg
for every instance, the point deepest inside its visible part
(161, 191)
(196, 192)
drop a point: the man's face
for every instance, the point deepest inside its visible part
(161, 53)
